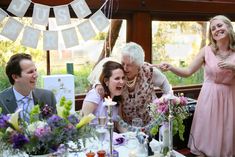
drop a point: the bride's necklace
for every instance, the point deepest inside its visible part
(131, 83)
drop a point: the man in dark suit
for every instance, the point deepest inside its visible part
(22, 74)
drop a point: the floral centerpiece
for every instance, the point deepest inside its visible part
(161, 107)
(45, 132)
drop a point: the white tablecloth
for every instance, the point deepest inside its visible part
(129, 148)
(126, 150)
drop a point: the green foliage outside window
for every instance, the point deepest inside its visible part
(176, 34)
(7, 49)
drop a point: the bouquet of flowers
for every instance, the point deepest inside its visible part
(45, 132)
(177, 106)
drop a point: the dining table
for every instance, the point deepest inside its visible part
(130, 147)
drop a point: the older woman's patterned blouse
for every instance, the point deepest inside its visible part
(135, 103)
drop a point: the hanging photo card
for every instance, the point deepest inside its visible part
(3, 14)
(86, 30)
(50, 40)
(12, 29)
(41, 14)
(62, 15)
(60, 85)
(18, 7)
(80, 8)
(70, 37)
(30, 37)
(99, 20)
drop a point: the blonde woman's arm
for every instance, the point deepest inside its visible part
(188, 71)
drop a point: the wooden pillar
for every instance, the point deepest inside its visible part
(139, 29)
(48, 62)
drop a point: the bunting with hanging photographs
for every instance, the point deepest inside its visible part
(86, 28)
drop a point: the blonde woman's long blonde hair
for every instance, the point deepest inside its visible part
(230, 32)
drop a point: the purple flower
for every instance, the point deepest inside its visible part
(162, 108)
(19, 140)
(46, 111)
(60, 150)
(183, 101)
(73, 119)
(40, 132)
(56, 121)
(4, 121)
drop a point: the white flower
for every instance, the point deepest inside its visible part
(32, 127)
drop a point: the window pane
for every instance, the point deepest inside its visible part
(178, 43)
(83, 56)
(8, 48)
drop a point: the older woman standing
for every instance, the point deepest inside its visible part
(142, 79)
(213, 127)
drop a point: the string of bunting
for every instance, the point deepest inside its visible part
(146, 128)
(87, 28)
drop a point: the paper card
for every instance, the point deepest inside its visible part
(70, 37)
(60, 85)
(40, 14)
(50, 40)
(86, 30)
(18, 7)
(3, 14)
(62, 15)
(12, 29)
(30, 37)
(99, 20)
(80, 8)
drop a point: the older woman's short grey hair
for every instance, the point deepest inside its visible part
(135, 52)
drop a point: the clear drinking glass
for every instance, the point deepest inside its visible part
(137, 122)
(132, 140)
(101, 133)
(102, 120)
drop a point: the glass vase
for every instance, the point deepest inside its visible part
(164, 138)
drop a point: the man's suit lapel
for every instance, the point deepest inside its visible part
(10, 101)
(35, 97)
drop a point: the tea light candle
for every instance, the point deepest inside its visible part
(132, 153)
(101, 153)
(90, 154)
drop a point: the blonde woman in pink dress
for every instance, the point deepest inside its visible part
(212, 133)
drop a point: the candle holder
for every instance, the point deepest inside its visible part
(110, 104)
(170, 119)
